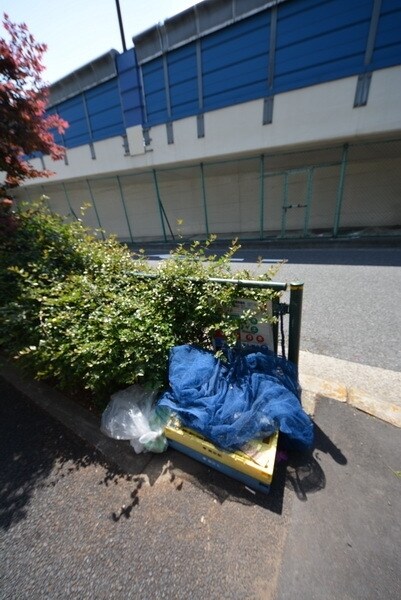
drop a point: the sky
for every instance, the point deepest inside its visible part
(77, 31)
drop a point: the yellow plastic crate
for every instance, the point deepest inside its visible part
(255, 460)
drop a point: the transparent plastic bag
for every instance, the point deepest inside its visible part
(131, 415)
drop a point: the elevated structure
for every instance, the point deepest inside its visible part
(238, 117)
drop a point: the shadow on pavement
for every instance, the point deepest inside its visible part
(301, 473)
(36, 452)
(223, 488)
(304, 473)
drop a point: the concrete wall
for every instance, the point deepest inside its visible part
(372, 194)
(314, 115)
(138, 153)
(305, 123)
(232, 200)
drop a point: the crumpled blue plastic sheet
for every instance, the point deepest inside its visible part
(250, 396)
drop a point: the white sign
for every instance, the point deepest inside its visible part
(255, 332)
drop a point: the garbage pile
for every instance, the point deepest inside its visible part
(133, 415)
(248, 394)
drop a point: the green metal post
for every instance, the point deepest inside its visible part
(285, 204)
(69, 202)
(159, 204)
(162, 208)
(340, 190)
(124, 207)
(262, 195)
(204, 199)
(275, 305)
(95, 208)
(309, 191)
(294, 337)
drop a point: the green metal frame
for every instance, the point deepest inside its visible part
(310, 171)
(309, 193)
(204, 198)
(340, 190)
(163, 214)
(69, 201)
(95, 208)
(285, 205)
(295, 311)
(159, 203)
(261, 163)
(262, 196)
(294, 306)
(124, 207)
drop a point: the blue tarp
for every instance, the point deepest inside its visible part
(250, 396)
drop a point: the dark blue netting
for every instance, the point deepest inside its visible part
(250, 396)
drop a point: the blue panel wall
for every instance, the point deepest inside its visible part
(317, 41)
(234, 69)
(155, 94)
(73, 111)
(320, 41)
(104, 109)
(388, 39)
(130, 88)
(183, 81)
(104, 112)
(111, 107)
(235, 62)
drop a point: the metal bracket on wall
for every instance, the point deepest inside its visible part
(170, 132)
(200, 123)
(363, 84)
(126, 145)
(92, 150)
(146, 136)
(362, 90)
(268, 110)
(42, 160)
(66, 158)
(269, 100)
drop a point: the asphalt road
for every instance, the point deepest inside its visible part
(73, 526)
(343, 542)
(352, 298)
(352, 301)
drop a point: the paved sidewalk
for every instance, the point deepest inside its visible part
(370, 389)
(74, 526)
(83, 517)
(344, 541)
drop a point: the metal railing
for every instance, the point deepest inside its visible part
(293, 309)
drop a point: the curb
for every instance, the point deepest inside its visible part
(315, 389)
(87, 425)
(76, 418)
